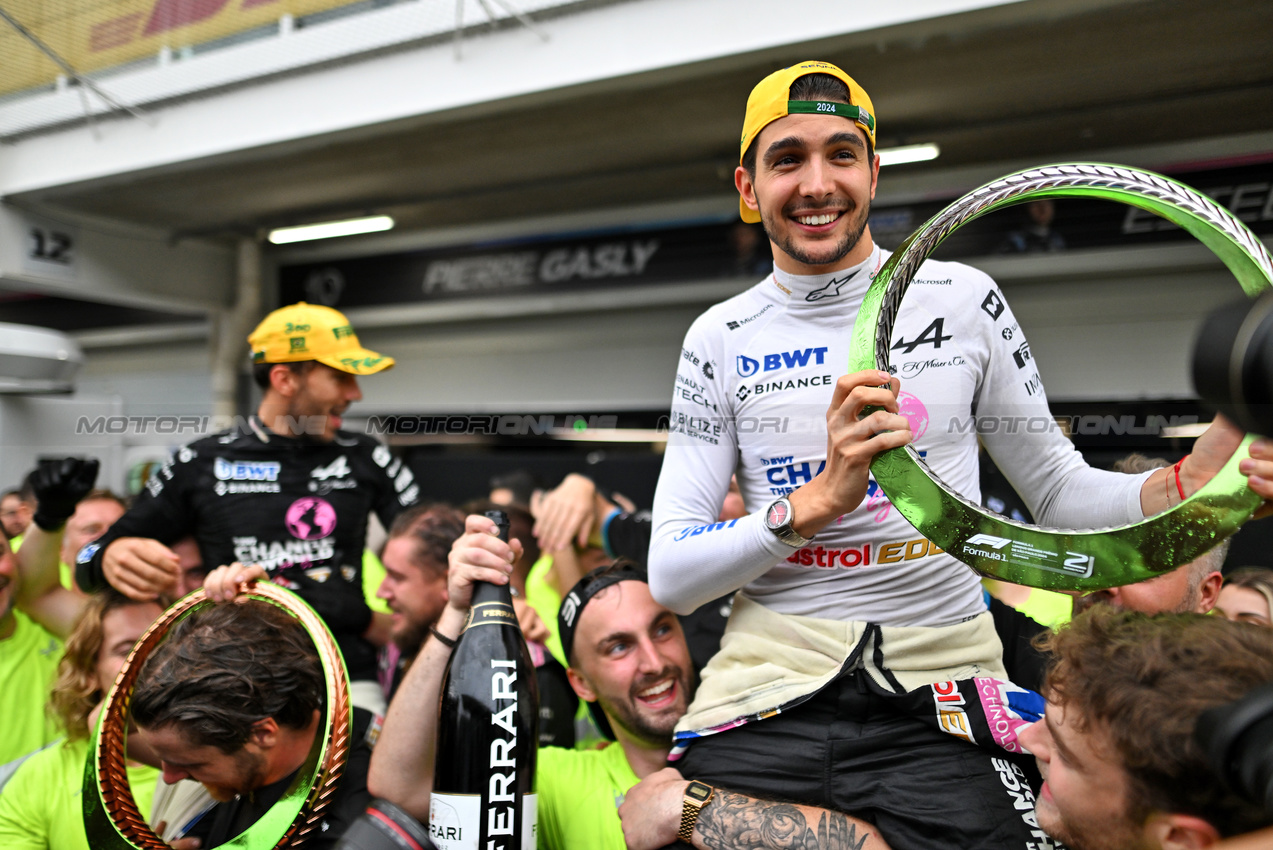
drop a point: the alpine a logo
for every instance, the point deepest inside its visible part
(338, 468)
(748, 366)
(245, 470)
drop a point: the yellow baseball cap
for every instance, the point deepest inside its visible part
(770, 100)
(303, 331)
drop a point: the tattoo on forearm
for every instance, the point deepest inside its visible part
(736, 821)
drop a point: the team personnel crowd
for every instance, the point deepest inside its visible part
(771, 657)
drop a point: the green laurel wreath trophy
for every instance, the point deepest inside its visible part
(1056, 558)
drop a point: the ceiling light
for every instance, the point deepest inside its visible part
(908, 153)
(331, 229)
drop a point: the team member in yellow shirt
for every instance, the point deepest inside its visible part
(41, 807)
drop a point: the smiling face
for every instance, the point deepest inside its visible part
(415, 593)
(317, 397)
(630, 656)
(813, 187)
(1084, 799)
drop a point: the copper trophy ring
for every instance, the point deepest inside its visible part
(112, 820)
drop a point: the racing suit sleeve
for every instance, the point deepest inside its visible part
(161, 512)
(397, 488)
(1044, 467)
(693, 558)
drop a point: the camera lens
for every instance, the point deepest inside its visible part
(384, 826)
(1233, 363)
(1238, 741)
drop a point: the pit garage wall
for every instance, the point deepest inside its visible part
(1103, 325)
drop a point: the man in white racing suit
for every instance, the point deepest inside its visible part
(845, 608)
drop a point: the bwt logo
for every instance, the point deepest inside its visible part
(748, 366)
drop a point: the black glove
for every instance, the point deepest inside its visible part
(338, 602)
(59, 485)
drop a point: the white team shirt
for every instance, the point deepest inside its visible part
(755, 379)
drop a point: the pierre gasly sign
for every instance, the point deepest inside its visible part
(528, 267)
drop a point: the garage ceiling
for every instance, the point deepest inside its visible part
(1036, 81)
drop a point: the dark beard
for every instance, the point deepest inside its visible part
(624, 713)
(411, 639)
(840, 251)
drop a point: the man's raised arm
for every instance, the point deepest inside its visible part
(58, 485)
(402, 763)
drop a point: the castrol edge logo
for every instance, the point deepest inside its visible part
(823, 557)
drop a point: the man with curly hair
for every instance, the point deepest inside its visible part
(1116, 747)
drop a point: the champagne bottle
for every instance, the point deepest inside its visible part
(484, 775)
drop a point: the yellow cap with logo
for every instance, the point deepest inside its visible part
(303, 331)
(771, 100)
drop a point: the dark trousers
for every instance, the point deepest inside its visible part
(853, 749)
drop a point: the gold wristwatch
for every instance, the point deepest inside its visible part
(697, 795)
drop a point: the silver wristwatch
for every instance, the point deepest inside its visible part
(778, 519)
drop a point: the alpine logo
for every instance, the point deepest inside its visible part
(932, 335)
(245, 470)
(831, 290)
(333, 476)
(338, 468)
(748, 366)
(993, 305)
(1022, 355)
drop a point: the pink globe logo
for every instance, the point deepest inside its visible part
(311, 518)
(915, 413)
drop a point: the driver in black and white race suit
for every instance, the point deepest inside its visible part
(286, 489)
(844, 607)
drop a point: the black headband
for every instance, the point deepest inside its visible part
(572, 606)
(581, 594)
